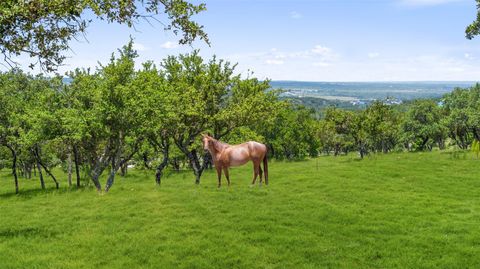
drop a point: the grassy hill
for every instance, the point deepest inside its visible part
(407, 210)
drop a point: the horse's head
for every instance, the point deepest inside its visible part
(207, 142)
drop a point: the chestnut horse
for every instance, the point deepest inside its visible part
(225, 155)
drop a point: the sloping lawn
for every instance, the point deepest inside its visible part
(407, 210)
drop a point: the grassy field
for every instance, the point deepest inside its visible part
(408, 210)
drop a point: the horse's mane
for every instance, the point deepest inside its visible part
(219, 146)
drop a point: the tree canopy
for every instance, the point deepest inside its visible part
(474, 28)
(43, 28)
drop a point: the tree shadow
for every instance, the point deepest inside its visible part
(30, 193)
(27, 232)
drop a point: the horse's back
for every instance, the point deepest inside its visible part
(240, 154)
(257, 150)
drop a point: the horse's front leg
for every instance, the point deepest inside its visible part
(225, 170)
(219, 175)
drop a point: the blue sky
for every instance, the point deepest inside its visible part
(324, 40)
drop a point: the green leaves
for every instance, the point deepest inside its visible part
(476, 147)
(473, 29)
(422, 126)
(43, 28)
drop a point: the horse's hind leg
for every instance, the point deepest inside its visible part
(225, 170)
(261, 173)
(256, 167)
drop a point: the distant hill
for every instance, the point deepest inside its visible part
(350, 91)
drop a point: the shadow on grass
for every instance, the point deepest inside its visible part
(27, 232)
(458, 154)
(30, 193)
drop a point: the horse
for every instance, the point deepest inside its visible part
(225, 156)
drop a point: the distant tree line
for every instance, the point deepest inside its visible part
(153, 118)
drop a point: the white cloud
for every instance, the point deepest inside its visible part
(324, 63)
(321, 50)
(274, 62)
(456, 69)
(319, 56)
(169, 45)
(322, 54)
(468, 56)
(426, 2)
(139, 47)
(431, 67)
(321, 64)
(295, 15)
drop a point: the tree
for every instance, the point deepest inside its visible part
(105, 125)
(474, 28)
(422, 125)
(207, 96)
(341, 121)
(381, 126)
(291, 133)
(40, 126)
(148, 102)
(20, 108)
(191, 89)
(43, 29)
(462, 116)
(326, 136)
(12, 92)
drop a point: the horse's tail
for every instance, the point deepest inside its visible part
(265, 168)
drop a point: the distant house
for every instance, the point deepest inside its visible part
(358, 103)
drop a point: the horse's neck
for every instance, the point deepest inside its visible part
(217, 148)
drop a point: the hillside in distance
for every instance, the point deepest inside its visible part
(350, 91)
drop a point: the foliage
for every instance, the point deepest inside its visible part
(474, 28)
(291, 133)
(422, 126)
(44, 28)
(476, 148)
(116, 116)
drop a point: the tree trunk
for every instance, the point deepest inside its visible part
(117, 163)
(14, 167)
(145, 160)
(110, 179)
(69, 169)
(113, 172)
(75, 156)
(175, 164)
(161, 166)
(40, 174)
(29, 171)
(207, 161)
(39, 161)
(424, 143)
(95, 174)
(195, 164)
(50, 174)
(124, 169)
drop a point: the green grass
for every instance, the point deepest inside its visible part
(403, 210)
